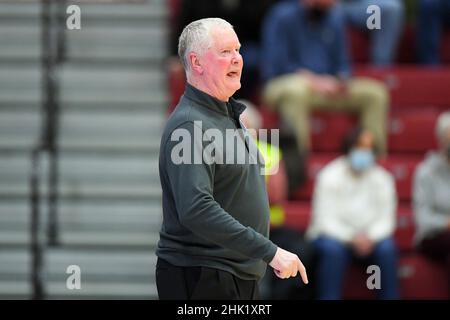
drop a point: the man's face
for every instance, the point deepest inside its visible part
(222, 64)
(366, 141)
(361, 157)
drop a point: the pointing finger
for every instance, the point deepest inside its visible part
(302, 270)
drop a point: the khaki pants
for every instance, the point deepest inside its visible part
(292, 97)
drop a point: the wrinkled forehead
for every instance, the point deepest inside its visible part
(223, 37)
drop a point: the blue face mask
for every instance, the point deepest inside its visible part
(361, 160)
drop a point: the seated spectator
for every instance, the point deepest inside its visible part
(432, 198)
(306, 66)
(433, 16)
(384, 41)
(354, 212)
(280, 234)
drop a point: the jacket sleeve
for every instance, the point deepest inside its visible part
(425, 214)
(192, 186)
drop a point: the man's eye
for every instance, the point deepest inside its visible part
(226, 51)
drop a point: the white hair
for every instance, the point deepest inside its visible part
(443, 125)
(196, 37)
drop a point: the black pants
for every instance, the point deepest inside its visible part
(201, 283)
(437, 248)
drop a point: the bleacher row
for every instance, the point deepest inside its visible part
(406, 51)
(418, 96)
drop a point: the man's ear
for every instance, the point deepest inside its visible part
(195, 63)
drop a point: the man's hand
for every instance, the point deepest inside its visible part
(362, 245)
(326, 85)
(287, 264)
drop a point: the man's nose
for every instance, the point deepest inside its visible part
(237, 58)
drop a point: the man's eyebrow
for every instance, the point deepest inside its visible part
(228, 46)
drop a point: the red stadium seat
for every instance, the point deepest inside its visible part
(406, 52)
(298, 214)
(315, 162)
(355, 284)
(270, 119)
(408, 130)
(412, 130)
(402, 167)
(445, 49)
(359, 45)
(413, 86)
(174, 10)
(404, 232)
(421, 278)
(329, 128)
(177, 81)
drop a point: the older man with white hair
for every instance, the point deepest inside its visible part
(432, 197)
(214, 237)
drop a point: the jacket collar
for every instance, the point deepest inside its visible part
(232, 108)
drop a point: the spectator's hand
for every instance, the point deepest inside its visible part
(362, 245)
(287, 264)
(326, 85)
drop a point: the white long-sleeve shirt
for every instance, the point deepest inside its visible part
(345, 205)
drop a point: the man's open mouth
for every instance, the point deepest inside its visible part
(233, 74)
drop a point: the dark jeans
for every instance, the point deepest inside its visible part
(433, 16)
(201, 283)
(334, 257)
(438, 248)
